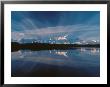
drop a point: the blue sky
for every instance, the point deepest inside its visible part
(37, 24)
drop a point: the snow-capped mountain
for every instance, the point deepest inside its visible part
(59, 38)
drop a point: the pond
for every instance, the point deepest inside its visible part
(80, 62)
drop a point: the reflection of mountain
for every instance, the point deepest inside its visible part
(53, 56)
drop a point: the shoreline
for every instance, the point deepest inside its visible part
(46, 46)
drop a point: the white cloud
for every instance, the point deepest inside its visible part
(17, 35)
(88, 31)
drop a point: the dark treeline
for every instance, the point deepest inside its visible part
(46, 46)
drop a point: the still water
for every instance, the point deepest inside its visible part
(81, 62)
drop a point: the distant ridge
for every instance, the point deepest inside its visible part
(46, 46)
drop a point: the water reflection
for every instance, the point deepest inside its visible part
(91, 51)
(84, 59)
(55, 56)
(62, 53)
